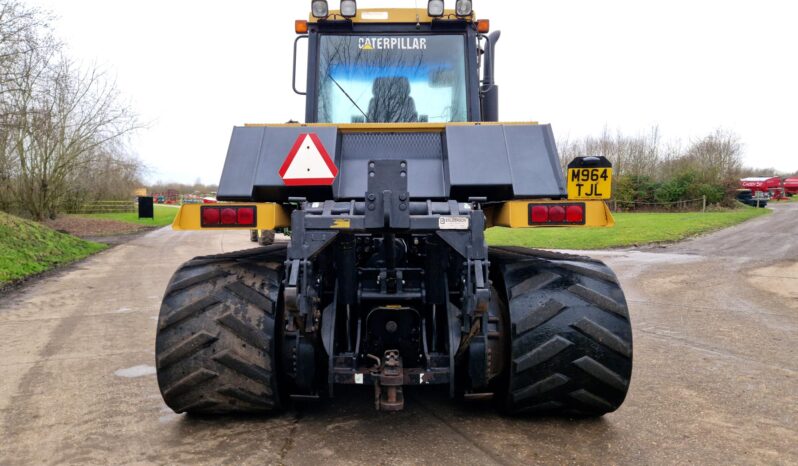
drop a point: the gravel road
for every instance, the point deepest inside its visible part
(715, 378)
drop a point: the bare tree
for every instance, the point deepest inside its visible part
(716, 157)
(112, 174)
(20, 36)
(630, 155)
(71, 116)
(19, 40)
(647, 169)
(58, 121)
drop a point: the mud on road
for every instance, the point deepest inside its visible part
(715, 378)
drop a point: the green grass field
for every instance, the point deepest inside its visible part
(28, 248)
(631, 229)
(164, 215)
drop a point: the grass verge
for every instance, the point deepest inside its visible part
(631, 229)
(28, 248)
(164, 215)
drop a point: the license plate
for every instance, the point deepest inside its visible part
(589, 183)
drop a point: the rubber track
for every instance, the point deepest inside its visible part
(571, 338)
(215, 346)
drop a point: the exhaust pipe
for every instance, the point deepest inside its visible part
(490, 90)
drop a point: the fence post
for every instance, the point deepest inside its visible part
(704, 204)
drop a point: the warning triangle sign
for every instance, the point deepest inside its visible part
(308, 163)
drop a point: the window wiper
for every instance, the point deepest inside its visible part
(348, 97)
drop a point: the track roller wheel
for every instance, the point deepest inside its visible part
(217, 333)
(570, 334)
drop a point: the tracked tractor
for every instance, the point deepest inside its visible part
(387, 281)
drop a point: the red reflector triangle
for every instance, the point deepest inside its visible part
(308, 163)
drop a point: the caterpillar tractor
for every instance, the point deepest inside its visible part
(387, 281)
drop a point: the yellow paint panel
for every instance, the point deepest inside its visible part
(270, 216)
(394, 15)
(515, 214)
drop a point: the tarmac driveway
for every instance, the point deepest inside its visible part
(715, 378)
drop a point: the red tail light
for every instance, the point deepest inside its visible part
(540, 214)
(210, 216)
(229, 216)
(556, 214)
(246, 216)
(575, 214)
(224, 217)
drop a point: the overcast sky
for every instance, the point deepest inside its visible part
(194, 69)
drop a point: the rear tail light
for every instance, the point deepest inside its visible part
(210, 216)
(575, 214)
(557, 214)
(539, 214)
(224, 217)
(246, 216)
(229, 216)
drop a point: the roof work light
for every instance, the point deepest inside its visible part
(435, 8)
(348, 8)
(464, 8)
(320, 9)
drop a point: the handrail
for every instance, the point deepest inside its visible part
(293, 79)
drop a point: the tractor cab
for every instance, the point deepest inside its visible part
(394, 66)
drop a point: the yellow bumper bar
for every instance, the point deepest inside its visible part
(269, 217)
(515, 214)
